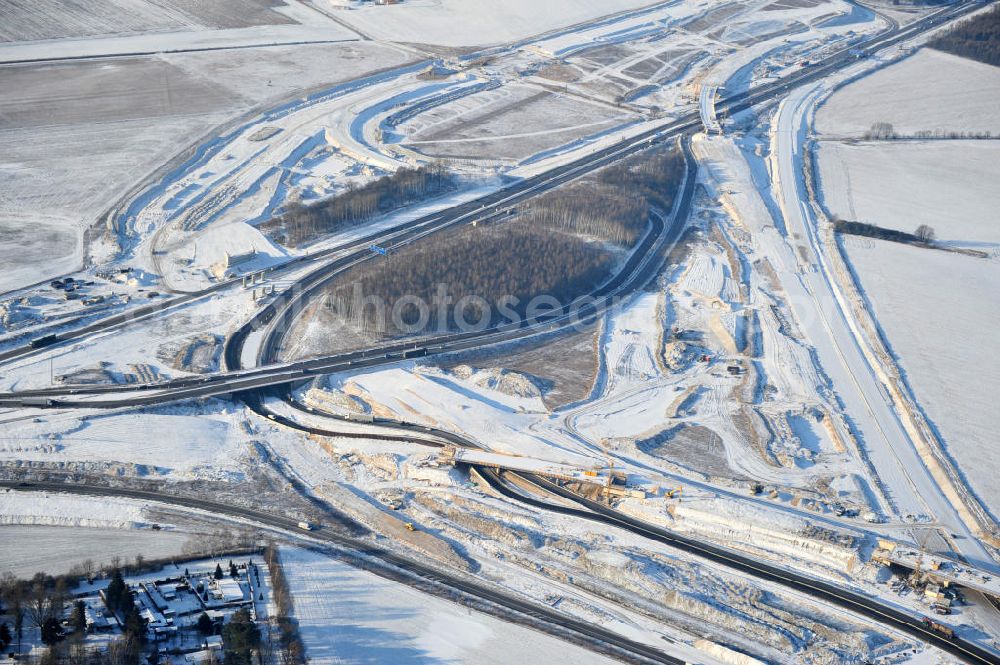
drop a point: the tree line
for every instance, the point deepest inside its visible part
(43, 600)
(977, 38)
(46, 603)
(562, 244)
(293, 652)
(303, 222)
(924, 235)
(884, 131)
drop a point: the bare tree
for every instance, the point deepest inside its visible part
(925, 233)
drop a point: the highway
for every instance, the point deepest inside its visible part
(251, 384)
(483, 208)
(642, 266)
(528, 610)
(861, 605)
(514, 193)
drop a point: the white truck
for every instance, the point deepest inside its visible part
(306, 526)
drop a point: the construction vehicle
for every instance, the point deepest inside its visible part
(305, 526)
(410, 527)
(938, 628)
(676, 492)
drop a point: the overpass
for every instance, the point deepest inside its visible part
(937, 568)
(601, 478)
(706, 108)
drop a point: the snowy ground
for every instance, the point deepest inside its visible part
(69, 510)
(482, 22)
(936, 310)
(940, 314)
(930, 90)
(190, 443)
(26, 550)
(51, 19)
(947, 185)
(54, 30)
(129, 116)
(351, 616)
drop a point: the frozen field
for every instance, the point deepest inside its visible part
(26, 550)
(482, 22)
(188, 443)
(50, 19)
(36, 95)
(940, 313)
(348, 616)
(949, 185)
(63, 164)
(517, 122)
(929, 91)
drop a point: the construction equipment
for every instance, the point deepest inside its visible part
(305, 526)
(676, 492)
(938, 628)
(410, 527)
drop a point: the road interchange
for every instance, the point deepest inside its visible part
(238, 381)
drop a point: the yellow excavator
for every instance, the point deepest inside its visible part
(676, 492)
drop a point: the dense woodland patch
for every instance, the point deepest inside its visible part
(977, 38)
(562, 244)
(302, 223)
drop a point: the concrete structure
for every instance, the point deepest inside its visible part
(936, 568)
(706, 105)
(611, 482)
(238, 259)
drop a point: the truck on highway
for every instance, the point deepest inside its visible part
(45, 340)
(37, 401)
(414, 353)
(306, 526)
(938, 628)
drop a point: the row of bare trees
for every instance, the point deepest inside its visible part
(924, 235)
(302, 223)
(292, 650)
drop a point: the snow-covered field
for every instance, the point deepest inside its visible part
(482, 22)
(64, 165)
(52, 30)
(54, 550)
(936, 310)
(349, 616)
(186, 443)
(53, 19)
(940, 313)
(70, 510)
(948, 185)
(930, 90)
